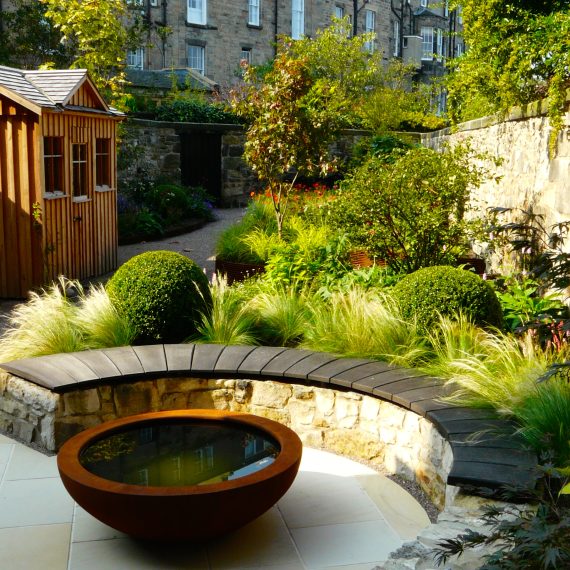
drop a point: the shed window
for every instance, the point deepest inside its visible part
(79, 162)
(53, 164)
(103, 162)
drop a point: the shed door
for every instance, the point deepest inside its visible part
(201, 161)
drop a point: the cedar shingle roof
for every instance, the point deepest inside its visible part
(50, 89)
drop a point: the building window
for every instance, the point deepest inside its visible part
(135, 2)
(427, 43)
(204, 458)
(439, 44)
(424, 3)
(396, 38)
(103, 162)
(53, 164)
(369, 26)
(197, 11)
(196, 58)
(298, 19)
(135, 58)
(79, 170)
(253, 18)
(446, 8)
(154, 2)
(246, 55)
(339, 12)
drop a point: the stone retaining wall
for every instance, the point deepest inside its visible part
(345, 422)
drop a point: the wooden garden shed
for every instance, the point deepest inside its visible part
(58, 179)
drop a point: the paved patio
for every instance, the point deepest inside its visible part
(339, 515)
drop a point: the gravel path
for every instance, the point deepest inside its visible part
(197, 245)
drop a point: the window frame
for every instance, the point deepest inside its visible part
(54, 167)
(427, 55)
(338, 12)
(137, 54)
(396, 32)
(197, 15)
(369, 26)
(79, 172)
(297, 19)
(103, 176)
(248, 51)
(202, 58)
(254, 13)
(424, 3)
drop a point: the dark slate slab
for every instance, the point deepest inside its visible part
(282, 362)
(328, 371)
(304, 367)
(488, 439)
(423, 407)
(126, 360)
(474, 426)
(152, 358)
(406, 386)
(231, 358)
(99, 362)
(423, 393)
(461, 413)
(40, 372)
(205, 357)
(481, 474)
(259, 358)
(357, 373)
(178, 357)
(480, 454)
(369, 383)
(69, 363)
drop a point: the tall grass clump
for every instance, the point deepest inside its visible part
(99, 322)
(364, 324)
(43, 325)
(486, 369)
(544, 417)
(229, 320)
(282, 315)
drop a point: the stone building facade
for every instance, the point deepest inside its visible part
(214, 36)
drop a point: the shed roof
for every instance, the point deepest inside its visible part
(50, 89)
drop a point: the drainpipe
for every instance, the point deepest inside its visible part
(355, 17)
(164, 5)
(276, 27)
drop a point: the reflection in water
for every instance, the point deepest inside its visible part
(178, 452)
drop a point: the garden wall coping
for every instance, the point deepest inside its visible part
(482, 457)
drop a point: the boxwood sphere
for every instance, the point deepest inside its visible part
(161, 293)
(443, 290)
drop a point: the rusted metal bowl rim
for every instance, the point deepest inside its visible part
(69, 454)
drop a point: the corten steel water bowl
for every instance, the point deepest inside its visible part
(180, 475)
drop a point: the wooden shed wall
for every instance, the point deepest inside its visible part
(20, 188)
(80, 237)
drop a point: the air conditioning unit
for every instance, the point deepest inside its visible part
(412, 52)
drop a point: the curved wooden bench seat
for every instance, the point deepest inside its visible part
(487, 460)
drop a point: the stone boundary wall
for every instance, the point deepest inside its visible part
(161, 149)
(348, 423)
(529, 177)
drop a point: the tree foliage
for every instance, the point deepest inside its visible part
(96, 34)
(518, 52)
(28, 38)
(299, 106)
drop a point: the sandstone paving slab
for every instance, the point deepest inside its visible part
(259, 358)
(302, 369)
(205, 357)
(44, 547)
(178, 357)
(231, 358)
(87, 528)
(332, 369)
(282, 362)
(27, 463)
(126, 360)
(151, 357)
(40, 372)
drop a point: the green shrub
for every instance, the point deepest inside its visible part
(175, 203)
(195, 111)
(431, 292)
(162, 294)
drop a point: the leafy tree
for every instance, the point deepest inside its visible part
(95, 32)
(28, 38)
(518, 52)
(408, 207)
(299, 106)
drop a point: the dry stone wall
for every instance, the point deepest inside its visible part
(345, 422)
(529, 176)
